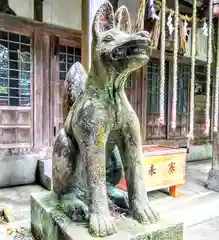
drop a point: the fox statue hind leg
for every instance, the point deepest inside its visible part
(66, 150)
(64, 158)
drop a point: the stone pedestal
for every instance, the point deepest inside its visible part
(12, 170)
(49, 223)
(213, 180)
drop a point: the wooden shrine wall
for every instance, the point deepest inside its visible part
(152, 132)
(16, 63)
(29, 82)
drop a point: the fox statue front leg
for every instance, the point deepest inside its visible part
(91, 131)
(133, 165)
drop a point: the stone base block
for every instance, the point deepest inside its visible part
(17, 170)
(213, 180)
(49, 223)
(44, 173)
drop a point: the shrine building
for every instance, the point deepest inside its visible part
(41, 39)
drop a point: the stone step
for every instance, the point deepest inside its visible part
(190, 206)
(192, 210)
(58, 226)
(203, 231)
(24, 225)
(15, 201)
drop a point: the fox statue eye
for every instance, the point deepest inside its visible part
(108, 38)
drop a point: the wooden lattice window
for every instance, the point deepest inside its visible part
(182, 88)
(153, 94)
(67, 57)
(200, 93)
(153, 86)
(15, 69)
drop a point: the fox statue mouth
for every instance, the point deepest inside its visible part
(134, 49)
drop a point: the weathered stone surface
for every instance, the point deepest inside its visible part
(98, 120)
(200, 152)
(213, 180)
(49, 223)
(19, 230)
(17, 170)
(17, 201)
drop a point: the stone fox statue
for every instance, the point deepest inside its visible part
(98, 117)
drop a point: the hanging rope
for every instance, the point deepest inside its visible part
(208, 81)
(192, 83)
(175, 65)
(216, 97)
(162, 63)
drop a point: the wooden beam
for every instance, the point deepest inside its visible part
(38, 10)
(8, 22)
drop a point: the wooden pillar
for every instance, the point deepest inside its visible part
(46, 91)
(38, 10)
(115, 4)
(41, 90)
(215, 153)
(213, 176)
(37, 89)
(54, 87)
(89, 8)
(85, 34)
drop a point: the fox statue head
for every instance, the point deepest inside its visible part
(115, 50)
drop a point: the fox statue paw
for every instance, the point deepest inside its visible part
(74, 208)
(144, 213)
(101, 225)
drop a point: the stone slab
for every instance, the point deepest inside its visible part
(203, 231)
(17, 170)
(49, 223)
(23, 233)
(200, 152)
(44, 173)
(17, 201)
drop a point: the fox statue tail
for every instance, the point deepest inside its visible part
(73, 85)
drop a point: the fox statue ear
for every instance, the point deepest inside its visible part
(103, 20)
(122, 19)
